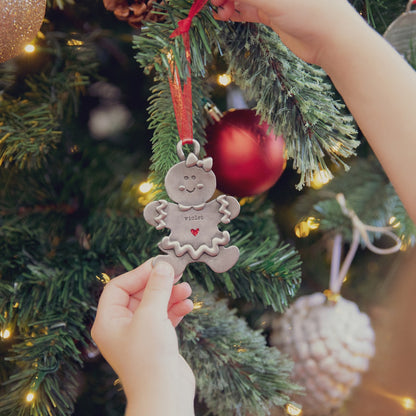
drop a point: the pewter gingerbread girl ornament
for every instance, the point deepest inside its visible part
(192, 220)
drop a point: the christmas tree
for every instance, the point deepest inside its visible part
(87, 134)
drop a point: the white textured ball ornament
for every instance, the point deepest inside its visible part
(331, 345)
(20, 20)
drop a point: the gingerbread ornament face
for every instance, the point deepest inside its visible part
(189, 184)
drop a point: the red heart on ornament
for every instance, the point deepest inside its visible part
(195, 231)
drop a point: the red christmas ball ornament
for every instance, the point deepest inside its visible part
(248, 159)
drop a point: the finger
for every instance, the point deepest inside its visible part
(244, 13)
(180, 292)
(114, 300)
(179, 310)
(127, 284)
(159, 288)
(225, 10)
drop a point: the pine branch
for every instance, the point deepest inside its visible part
(236, 372)
(30, 125)
(295, 98)
(373, 200)
(28, 132)
(49, 311)
(59, 3)
(379, 13)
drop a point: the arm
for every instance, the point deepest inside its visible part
(377, 85)
(379, 88)
(134, 330)
(156, 213)
(229, 208)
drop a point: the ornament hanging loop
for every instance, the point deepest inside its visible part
(181, 154)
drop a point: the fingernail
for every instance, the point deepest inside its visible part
(164, 268)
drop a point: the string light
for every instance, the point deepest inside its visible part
(104, 278)
(320, 179)
(30, 397)
(394, 222)
(5, 334)
(145, 187)
(293, 410)
(198, 305)
(303, 228)
(406, 243)
(169, 55)
(74, 42)
(29, 48)
(313, 223)
(407, 403)
(224, 79)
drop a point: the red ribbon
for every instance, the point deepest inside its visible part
(182, 97)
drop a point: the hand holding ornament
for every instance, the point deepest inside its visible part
(134, 330)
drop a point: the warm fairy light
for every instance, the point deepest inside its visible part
(30, 396)
(246, 200)
(169, 55)
(303, 228)
(74, 42)
(224, 79)
(198, 305)
(313, 223)
(320, 179)
(104, 278)
(406, 243)
(394, 222)
(5, 334)
(408, 403)
(293, 410)
(146, 187)
(29, 48)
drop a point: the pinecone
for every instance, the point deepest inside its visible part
(330, 344)
(134, 11)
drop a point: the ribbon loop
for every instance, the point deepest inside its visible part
(364, 229)
(182, 97)
(183, 27)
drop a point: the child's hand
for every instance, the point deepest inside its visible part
(134, 330)
(307, 27)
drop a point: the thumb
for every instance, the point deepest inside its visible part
(159, 288)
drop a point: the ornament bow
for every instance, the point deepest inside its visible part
(205, 163)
